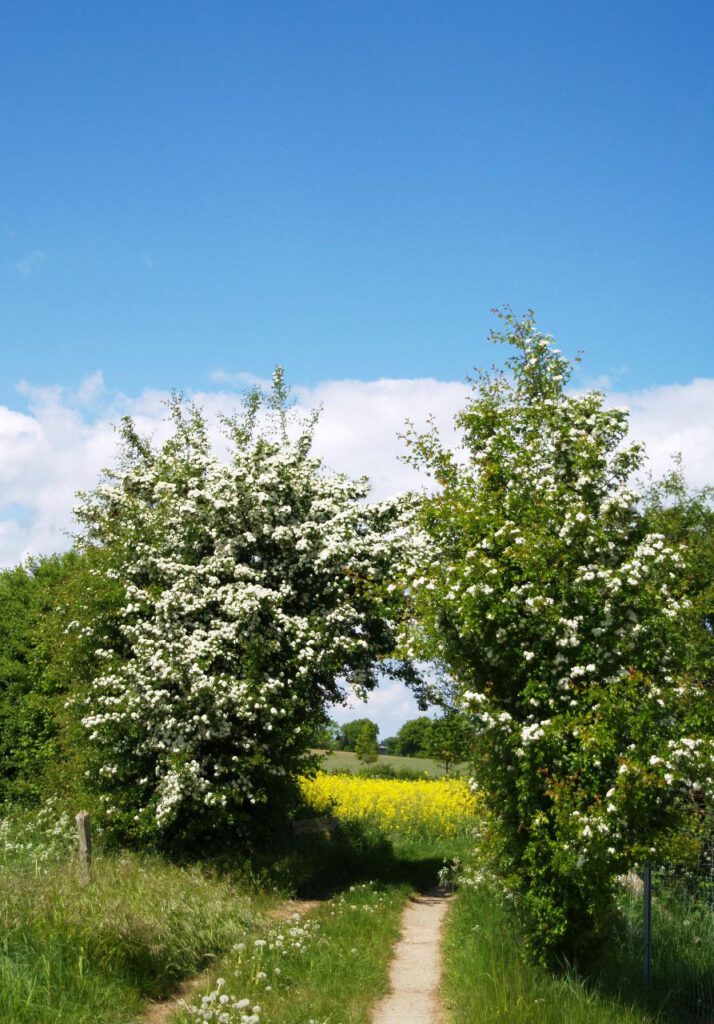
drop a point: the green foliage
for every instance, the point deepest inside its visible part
(386, 770)
(558, 617)
(351, 731)
(366, 746)
(413, 738)
(40, 665)
(486, 977)
(451, 739)
(22, 726)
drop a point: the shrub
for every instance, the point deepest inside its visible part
(555, 613)
(247, 588)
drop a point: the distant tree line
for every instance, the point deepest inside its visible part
(446, 739)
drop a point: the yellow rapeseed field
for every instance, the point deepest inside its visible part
(439, 808)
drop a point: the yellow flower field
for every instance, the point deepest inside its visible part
(436, 807)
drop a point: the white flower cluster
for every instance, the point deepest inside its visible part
(47, 834)
(249, 588)
(219, 1007)
(533, 583)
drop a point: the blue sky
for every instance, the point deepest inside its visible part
(348, 188)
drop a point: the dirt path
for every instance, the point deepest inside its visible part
(415, 971)
(159, 1012)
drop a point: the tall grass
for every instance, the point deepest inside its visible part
(74, 954)
(682, 967)
(92, 953)
(328, 967)
(487, 978)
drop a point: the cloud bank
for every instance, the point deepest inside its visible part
(65, 437)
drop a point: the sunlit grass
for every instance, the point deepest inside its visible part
(73, 953)
(488, 979)
(92, 953)
(329, 966)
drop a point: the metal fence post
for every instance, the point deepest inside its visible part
(647, 924)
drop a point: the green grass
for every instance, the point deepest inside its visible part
(328, 966)
(346, 761)
(76, 953)
(341, 966)
(682, 973)
(487, 978)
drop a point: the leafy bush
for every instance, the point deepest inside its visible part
(246, 589)
(557, 615)
(366, 746)
(412, 739)
(29, 695)
(349, 733)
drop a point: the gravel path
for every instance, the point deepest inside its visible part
(415, 971)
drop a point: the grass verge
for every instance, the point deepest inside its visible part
(327, 967)
(488, 979)
(74, 953)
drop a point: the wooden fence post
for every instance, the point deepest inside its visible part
(84, 832)
(647, 924)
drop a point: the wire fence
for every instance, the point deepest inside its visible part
(682, 937)
(668, 920)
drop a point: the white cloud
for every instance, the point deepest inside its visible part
(358, 431)
(67, 436)
(31, 262)
(675, 418)
(91, 389)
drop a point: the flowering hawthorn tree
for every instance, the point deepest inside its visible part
(539, 590)
(246, 589)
